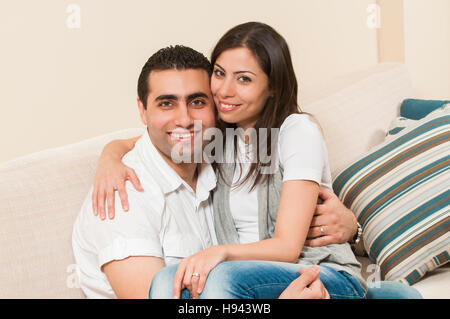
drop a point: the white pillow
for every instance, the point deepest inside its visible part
(355, 117)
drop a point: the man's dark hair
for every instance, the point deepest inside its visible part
(176, 57)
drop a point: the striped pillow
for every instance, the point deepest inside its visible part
(400, 195)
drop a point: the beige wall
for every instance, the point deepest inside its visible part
(417, 33)
(61, 85)
(391, 35)
(427, 46)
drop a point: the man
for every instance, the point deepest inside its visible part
(172, 218)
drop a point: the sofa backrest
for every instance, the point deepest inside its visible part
(356, 110)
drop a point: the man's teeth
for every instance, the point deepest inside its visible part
(179, 136)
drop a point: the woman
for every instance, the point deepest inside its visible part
(254, 87)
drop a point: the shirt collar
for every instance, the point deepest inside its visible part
(154, 163)
(206, 181)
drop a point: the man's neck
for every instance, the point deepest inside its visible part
(187, 171)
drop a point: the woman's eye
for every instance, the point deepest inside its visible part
(218, 72)
(244, 79)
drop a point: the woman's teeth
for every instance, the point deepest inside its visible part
(228, 106)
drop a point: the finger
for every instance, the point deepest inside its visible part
(194, 287)
(132, 177)
(319, 220)
(202, 282)
(320, 210)
(110, 203)
(101, 203)
(320, 241)
(325, 193)
(306, 278)
(123, 197)
(187, 280)
(178, 280)
(317, 289)
(94, 202)
(314, 232)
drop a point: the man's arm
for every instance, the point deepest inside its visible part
(131, 277)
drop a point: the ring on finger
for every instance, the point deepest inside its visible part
(322, 230)
(195, 274)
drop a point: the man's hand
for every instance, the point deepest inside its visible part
(307, 286)
(333, 223)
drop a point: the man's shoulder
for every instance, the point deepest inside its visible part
(149, 182)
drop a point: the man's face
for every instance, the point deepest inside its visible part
(176, 99)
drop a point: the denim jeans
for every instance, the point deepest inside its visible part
(391, 290)
(255, 280)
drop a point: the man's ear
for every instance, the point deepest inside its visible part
(142, 111)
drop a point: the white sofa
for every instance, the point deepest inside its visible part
(41, 194)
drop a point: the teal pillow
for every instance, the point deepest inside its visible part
(399, 123)
(416, 109)
(400, 194)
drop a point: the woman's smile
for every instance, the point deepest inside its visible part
(227, 107)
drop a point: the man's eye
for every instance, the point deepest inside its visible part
(219, 73)
(165, 104)
(198, 103)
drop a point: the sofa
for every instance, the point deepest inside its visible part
(42, 193)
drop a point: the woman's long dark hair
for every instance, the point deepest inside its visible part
(272, 52)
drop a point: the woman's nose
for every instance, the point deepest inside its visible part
(226, 89)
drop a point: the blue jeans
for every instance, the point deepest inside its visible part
(255, 280)
(391, 290)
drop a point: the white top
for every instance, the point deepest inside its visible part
(167, 220)
(243, 201)
(303, 156)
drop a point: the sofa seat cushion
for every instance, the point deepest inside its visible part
(431, 286)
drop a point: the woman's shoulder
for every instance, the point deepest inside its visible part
(300, 122)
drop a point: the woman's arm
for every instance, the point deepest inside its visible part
(111, 175)
(295, 212)
(116, 149)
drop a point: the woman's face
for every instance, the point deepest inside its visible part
(239, 86)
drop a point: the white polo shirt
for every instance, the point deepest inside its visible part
(167, 220)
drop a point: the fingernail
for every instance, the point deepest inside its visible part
(126, 208)
(315, 268)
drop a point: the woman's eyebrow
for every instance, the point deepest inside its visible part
(237, 72)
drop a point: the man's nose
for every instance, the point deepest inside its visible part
(183, 117)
